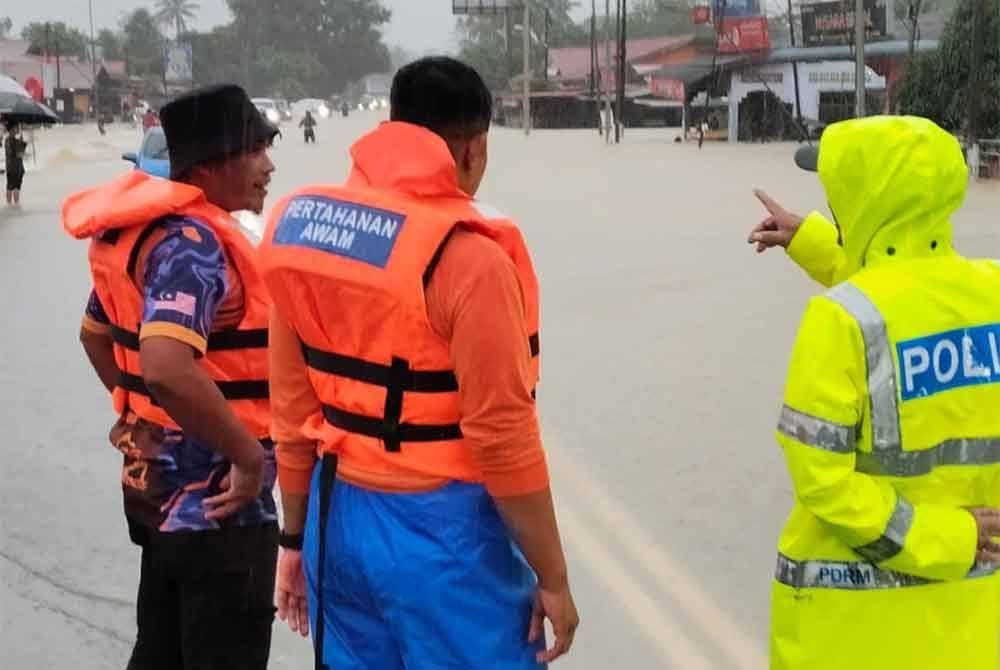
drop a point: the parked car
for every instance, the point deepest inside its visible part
(269, 108)
(284, 109)
(314, 105)
(152, 157)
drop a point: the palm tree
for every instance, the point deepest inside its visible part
(176, 13)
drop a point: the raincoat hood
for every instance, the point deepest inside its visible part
(132, 199)
(893, 183)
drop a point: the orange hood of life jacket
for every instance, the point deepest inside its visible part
(116, 217)
(347, 267)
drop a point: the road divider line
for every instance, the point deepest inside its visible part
(662, 630)
(738, 648)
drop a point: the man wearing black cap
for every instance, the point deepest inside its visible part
(176, 330)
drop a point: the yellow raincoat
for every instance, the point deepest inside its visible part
(891, 423)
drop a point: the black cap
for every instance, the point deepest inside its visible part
(212, 123)
(807, 158)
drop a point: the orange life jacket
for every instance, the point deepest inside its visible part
(347, 267)
(117, 218)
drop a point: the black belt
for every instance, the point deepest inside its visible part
(224, 340)
(241, 390)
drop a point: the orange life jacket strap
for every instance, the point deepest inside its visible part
(224, 340)
(422, 381)
(392, 434)
(241, 390)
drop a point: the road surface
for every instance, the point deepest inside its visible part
(665, 340)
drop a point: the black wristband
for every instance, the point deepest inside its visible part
(288, 541)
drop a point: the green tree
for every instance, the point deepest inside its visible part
(937, 84)
(216, 56)
(110, 44)
(321, 44)
(61, 39)
(6, 25)
(483, 45)
(659, 18)
(398, 57)
(143, 44)
(176, 14)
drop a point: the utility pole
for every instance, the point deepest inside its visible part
(859, 69)
(607, 62)
(508, 27)
(55, 38)
(595, 65)
(526, 28)
(548, 19)
(795, 65)
(93, 63)
(622, 65)
(976, 84)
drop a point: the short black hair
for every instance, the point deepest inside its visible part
(444, 95)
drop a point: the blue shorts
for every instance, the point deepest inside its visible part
(425, 581)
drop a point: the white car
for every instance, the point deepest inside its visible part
(269, 108)
(314, 105)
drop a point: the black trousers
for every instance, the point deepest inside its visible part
(15, 180)
(205, 599)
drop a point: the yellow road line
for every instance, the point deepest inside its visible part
(738, 648)
(655, 622)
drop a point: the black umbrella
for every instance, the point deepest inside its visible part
(15, 108)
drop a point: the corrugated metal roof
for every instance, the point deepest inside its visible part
(574, 62)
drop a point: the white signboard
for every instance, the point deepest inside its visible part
(178, 61)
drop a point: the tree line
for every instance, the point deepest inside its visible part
(299, 48)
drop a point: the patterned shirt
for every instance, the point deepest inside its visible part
(190, 289)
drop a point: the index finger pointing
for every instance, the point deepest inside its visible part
(766, 200)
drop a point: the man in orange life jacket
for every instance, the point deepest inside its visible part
(176, 329)
(404, 356)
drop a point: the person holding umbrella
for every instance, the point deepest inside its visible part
(14, 147)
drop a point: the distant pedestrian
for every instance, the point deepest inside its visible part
(14, 148)
(149, 120)
(309, 127)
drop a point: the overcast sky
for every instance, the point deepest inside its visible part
(417, 25)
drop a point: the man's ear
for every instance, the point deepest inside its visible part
(476, 148)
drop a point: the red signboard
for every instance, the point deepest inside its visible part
(701, 14)
(741, 34)
(671, 89)
(34, 87)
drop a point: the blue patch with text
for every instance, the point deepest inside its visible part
(347, 229)
(937, 363)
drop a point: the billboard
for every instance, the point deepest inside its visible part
(178, 63)
(832, 23)
(739, 35)
(736, 8)
(484, 6)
